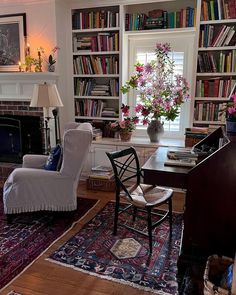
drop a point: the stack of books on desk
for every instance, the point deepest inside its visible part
(181, 157)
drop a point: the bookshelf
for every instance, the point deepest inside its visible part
(100, 49)
(96, 63)
(216, 61)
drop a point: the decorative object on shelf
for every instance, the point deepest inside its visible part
(125, 135)
(160, 95)
(12, 41)
(230, 112)
(50, 60)
(47, 96)
(154, 130)
(29, 63)
(125, 126)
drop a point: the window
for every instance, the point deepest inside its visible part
(142, 49)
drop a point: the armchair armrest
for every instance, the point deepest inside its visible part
(34, 161)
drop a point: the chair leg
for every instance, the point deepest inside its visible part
(116, 214)
(170, 214)
(9, 218)
(150, 229)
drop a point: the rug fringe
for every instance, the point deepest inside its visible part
(111, 279)
(73, 224)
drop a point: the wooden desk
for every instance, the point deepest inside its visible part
(209, 217)
(155, 172)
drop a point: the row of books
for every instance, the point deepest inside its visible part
(177, 19)
(214, 88)
(217, 62)
(94, 108)
(216, 36)
(89, 107)
(218, 9)
(95, 19)
(209, 111)
(88, 87)
(100, 42)
(96, 65)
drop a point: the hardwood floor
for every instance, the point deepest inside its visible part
(44, 277)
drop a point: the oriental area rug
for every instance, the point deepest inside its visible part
(124, 258)
(22, 241)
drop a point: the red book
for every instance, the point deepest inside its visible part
(206, 88)
(216, 87)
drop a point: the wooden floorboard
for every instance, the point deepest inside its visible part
(46, 278)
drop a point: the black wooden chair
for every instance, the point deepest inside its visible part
(141, 197)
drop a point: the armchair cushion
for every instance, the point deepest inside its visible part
(54, 159)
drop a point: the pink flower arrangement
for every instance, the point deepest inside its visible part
(127, 124)
(231, 108)
(160, 95)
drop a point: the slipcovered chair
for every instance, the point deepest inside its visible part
(32, 188)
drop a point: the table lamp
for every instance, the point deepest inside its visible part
(47, 96)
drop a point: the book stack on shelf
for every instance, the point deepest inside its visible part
(194, 135)
(160, 19)
(101, 178)
(109, 112)
(184, 157)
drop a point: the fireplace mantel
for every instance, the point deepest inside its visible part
(19, 85)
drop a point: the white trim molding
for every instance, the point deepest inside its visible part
(19, 86)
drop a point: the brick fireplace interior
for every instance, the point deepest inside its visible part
(20, 130)
(24, 135)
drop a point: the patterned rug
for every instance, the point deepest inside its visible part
(30, 234)
(124, 258)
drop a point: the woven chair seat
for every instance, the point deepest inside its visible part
(145, 195)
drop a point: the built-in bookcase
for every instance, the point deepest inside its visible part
(216, 61)
(96, 62)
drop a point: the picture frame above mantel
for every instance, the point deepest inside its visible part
(12, 41)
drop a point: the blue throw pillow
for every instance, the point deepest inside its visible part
(54, 159)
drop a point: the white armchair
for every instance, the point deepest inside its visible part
(31, 188)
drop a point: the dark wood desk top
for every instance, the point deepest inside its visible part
(155, 172)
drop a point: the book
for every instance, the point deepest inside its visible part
(182, 154)
(102, 168)
(101, 175)
(181, 162)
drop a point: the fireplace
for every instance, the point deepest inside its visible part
(19, 135)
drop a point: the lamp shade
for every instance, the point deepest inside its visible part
(46, 95)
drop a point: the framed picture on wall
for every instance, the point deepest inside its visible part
(12, 41)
